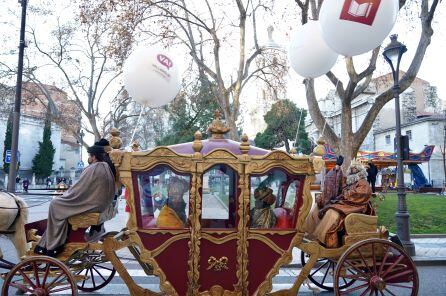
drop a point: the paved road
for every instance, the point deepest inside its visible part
(432, 279)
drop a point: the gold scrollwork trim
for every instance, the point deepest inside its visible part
(204, 166)
(220, 153)
(274, 231)
(266, 241)
(306, 206)
(183, 165)
(219, 240)
(128, 183)
(263, 166)
(146, 256)
(163, 151)
(277, 155)
(218, 291)
(286, 258)
(168, 242)
(164, 231)
(217, 264)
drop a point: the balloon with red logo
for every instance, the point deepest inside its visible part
(151, 76)
(354, 27)
(308, 54)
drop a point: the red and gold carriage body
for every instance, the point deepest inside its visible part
(192, 208)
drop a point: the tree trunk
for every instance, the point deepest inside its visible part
(444, 167)
(230, 122)
(346, 147)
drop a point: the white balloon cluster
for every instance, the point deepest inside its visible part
(151, 76)
(345, 27)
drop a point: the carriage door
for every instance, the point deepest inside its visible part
(220, 260)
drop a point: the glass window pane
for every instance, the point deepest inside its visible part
(273, 199)
(219, 198)
(164, 198)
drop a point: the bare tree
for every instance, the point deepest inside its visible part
(349, 142)
(209, 31)
(75, 54)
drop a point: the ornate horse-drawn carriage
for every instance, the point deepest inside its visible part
(219, 217)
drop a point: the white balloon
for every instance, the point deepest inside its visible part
(151, 76)
(308, 53)
(353, 27)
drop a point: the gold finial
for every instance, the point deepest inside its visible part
(197, 145)
(319, 150)
(244, 145)
(115, 140)
(218, 128)
(136, 146)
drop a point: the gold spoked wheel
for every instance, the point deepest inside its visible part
(379, 267)
(40, 276)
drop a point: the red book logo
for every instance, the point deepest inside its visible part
(165, 61)
(360, 11)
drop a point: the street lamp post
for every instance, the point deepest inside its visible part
(393, 54)
(18, 101)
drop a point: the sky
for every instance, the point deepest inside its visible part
(408, 29)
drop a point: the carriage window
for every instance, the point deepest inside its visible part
(219, 198)
(164, 198)
(273, 199)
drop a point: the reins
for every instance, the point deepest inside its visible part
(18, 206)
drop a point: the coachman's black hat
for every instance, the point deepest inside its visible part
(96, 149)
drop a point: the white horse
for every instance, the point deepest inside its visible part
(13, 220)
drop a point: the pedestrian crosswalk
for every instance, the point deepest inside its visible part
(283, 280)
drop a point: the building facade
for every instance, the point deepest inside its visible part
(32, 121)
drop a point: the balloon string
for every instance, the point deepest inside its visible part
(323, 130)
(137, 124)
(298, 127)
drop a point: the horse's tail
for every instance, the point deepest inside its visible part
(19, 237)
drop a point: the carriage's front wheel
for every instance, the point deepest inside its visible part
(95, 270)
(40, 276)
(322, 274)
(380, 267)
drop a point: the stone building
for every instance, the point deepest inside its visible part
(421, 118)
(33, 112)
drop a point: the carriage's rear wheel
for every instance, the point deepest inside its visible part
(380, 267)
(323, 273)
(40, 276)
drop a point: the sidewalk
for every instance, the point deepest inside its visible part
(430, 250)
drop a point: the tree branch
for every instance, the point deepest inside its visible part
(317, 116)
(339, 86)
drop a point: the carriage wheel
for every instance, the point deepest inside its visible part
(380, 267)
(95, 272)
(40, 276)
(326, 268)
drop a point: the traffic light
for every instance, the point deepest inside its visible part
(405, 147)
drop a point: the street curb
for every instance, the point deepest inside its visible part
(442, 235)
(423, 261)
(418, 262)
